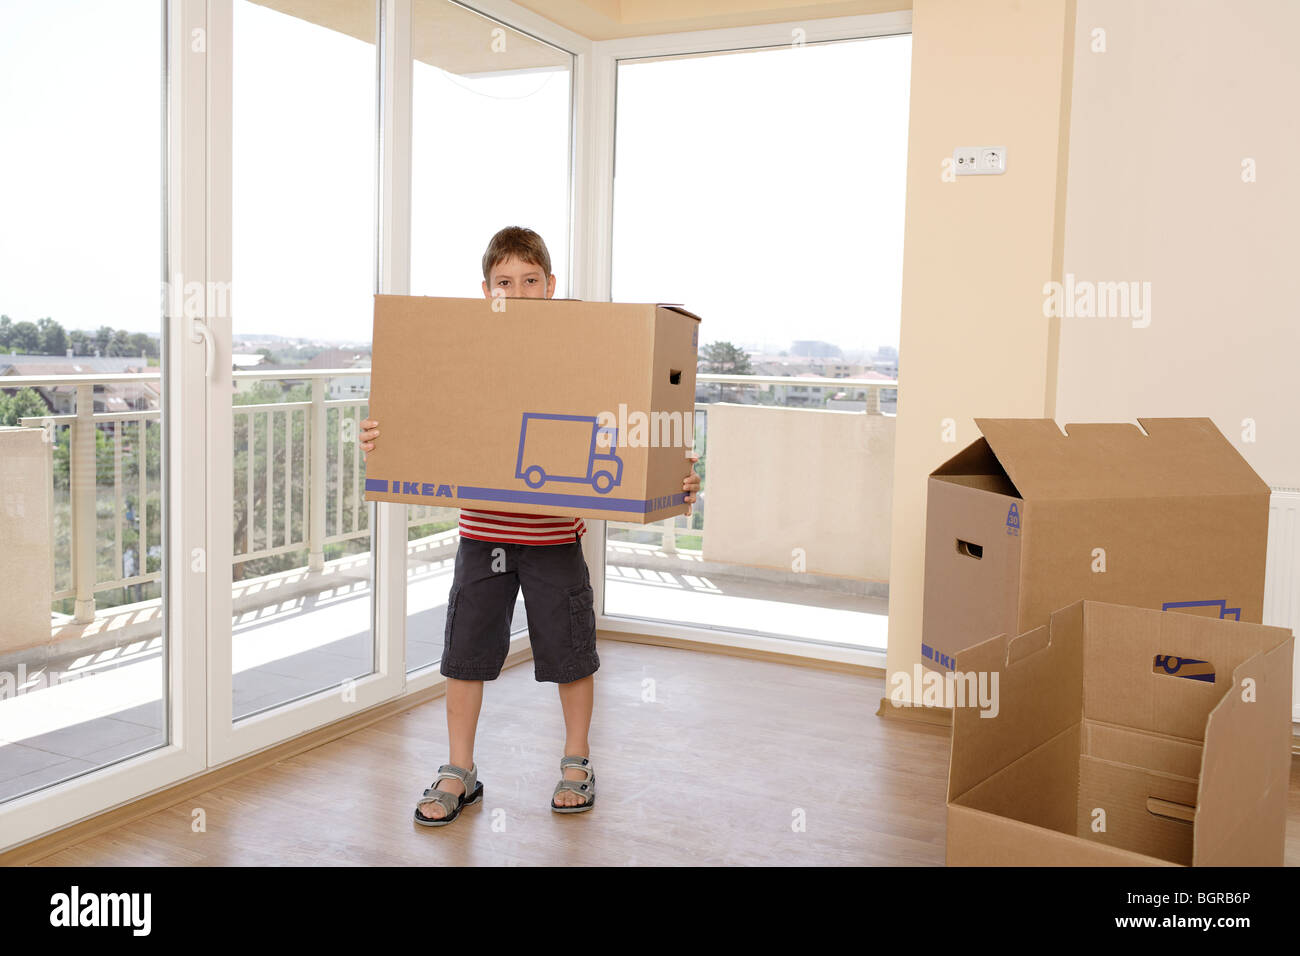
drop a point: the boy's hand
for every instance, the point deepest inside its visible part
(691, 483)
(366, 437)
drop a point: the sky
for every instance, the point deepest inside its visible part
(80, 163)
(763, 190)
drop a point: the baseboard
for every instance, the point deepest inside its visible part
(632, 637)
(915, 713)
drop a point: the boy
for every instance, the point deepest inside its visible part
(543, 555)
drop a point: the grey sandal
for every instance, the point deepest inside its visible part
(451, 803)
(586, 788)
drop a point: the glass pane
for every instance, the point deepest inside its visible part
(782, 227)
(83, 662)
(303, 280)
(490, 149)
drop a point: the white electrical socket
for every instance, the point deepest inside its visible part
(979, 160)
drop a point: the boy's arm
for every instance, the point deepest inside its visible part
(691, 483)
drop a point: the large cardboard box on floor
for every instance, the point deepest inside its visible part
(1029, 519)
(1098, 754)
(536, 406)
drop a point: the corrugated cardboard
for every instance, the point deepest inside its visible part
(1020, 523)
(1186, 772)
(511, 405)
(26, 500)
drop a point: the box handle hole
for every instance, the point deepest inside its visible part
(970, 550)
(1027, 645)
(1190, 668)
(1168, 810)
(675, 376)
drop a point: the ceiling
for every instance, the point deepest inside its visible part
(611, 19)
(442, 34)
(459, 41)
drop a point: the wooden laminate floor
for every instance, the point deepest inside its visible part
(714, 770)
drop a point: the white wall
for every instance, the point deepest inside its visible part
(1160, 125)
(976, 251)
(807, 479)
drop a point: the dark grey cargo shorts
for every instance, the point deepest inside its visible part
(557, 600)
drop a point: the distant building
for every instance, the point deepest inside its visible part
(108, 397)
(815, 349)
(885, 361)
(344, 386)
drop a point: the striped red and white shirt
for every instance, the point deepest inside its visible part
(509, 528)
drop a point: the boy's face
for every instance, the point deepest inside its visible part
(516, 279)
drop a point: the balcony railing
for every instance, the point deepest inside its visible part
(313, 440)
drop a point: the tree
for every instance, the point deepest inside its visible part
(250, 438)
(120, 344)
(27, 403)
(81, 343)
(6, 330)
(103, 336)
(25, 338)
(143, 343)
(54, 341)
(725, 358)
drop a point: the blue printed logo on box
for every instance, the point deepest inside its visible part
(1221, 606)
(1190, 668)
(1013, 519)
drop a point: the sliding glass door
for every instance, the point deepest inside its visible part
(200, 199)
(775, 212)
(83, 412)
(480, 92)
(293, 642)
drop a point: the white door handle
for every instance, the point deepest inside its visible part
(200, 332)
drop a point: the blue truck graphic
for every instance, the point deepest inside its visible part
(1221, 606)
(565, 448)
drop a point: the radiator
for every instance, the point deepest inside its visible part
(1282, 574)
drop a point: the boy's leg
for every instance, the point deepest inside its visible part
(561, 619)
(476, 640)
(576, 699)
(562, 629)
(480, 606)
(464, 701)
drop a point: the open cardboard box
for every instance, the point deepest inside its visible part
(535, 406)
(1028, 519)
(1092, 727)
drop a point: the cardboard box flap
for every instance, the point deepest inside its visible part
(677, 307)
(1048, 657)
(977, 458)
(1164, 457)
(1245, 765)
(1128, 683)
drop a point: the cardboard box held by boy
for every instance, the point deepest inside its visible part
(535, 406)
